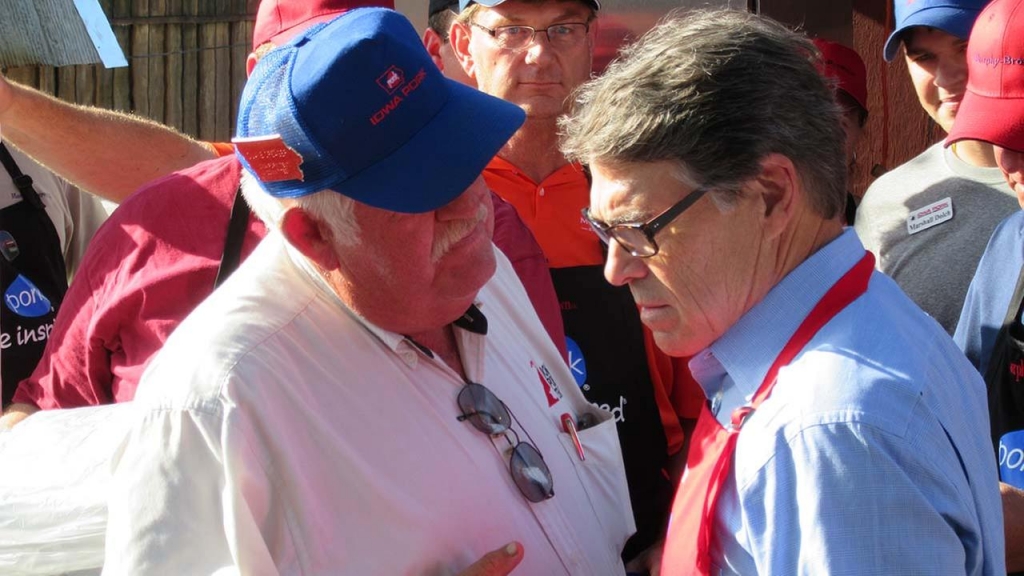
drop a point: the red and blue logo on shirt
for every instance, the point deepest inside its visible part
(551, 390)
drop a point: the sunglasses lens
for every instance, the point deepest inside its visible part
(531, 474)
(483, 409)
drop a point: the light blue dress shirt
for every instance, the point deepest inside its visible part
(872, 454)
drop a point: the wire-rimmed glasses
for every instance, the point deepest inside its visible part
(518, 36)
(491, 416)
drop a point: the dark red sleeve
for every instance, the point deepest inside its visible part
(515, 241)
(148, 266)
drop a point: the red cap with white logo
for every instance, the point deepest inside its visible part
(993, 106)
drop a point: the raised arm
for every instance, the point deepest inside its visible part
(107, 153)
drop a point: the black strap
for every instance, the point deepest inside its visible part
(1016, 303)
(237, 225)
(23, 182)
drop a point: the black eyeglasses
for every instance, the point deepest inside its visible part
(517, 37)
(491, 416)
(638, 239)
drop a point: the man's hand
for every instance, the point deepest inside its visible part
(1013, 526)
(499, 562)
(16, 413)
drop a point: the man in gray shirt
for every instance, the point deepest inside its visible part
(928, 221)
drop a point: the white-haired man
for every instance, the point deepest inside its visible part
(362, 379)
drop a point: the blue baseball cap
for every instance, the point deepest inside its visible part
(357, 106)
(950, 16)
(492, 3)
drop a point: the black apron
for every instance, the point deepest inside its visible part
(33, 277)
(602, 322)
(1004, 379)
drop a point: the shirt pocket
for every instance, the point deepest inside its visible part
(603, 476)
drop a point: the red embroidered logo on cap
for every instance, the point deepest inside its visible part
(269, 158)
(392, 79)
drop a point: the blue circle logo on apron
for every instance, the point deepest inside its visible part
(577, 365)
(1011, 458)
(24, 299)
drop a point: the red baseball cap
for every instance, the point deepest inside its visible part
(845, 66)
(279, 20)
(993, 106)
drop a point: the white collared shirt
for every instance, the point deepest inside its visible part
(278, 433)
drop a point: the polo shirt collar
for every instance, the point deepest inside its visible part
(567, 174)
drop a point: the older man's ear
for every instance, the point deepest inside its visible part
(310, 236)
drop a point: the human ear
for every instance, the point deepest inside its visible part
(458, 37)
(778, 185)
(432, 42)
(309, 236)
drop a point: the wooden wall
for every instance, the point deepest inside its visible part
(186, 64)
(897, 129)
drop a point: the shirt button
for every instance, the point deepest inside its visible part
(541, 192)
(716, 402)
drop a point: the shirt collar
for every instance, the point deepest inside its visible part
(473, 320)
(568, 174)
(747, 350)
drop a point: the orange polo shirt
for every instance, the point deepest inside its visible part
(551, 210)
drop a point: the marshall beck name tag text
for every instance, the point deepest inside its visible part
(931, 215)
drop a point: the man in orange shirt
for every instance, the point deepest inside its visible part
(534, 54)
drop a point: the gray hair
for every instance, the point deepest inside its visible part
(715, 91)
(328, 206)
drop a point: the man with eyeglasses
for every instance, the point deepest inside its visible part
(534, 54)
(365, 395)
(842, 428)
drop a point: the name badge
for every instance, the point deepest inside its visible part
(930, 216)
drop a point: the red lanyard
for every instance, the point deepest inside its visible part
(688, 545)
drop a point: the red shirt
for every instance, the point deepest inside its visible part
(146, 268)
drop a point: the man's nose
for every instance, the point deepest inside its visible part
(467, 204)
(951, 73)
(539, 49)
(621, 267)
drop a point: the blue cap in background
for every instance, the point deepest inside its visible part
(950, 16)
